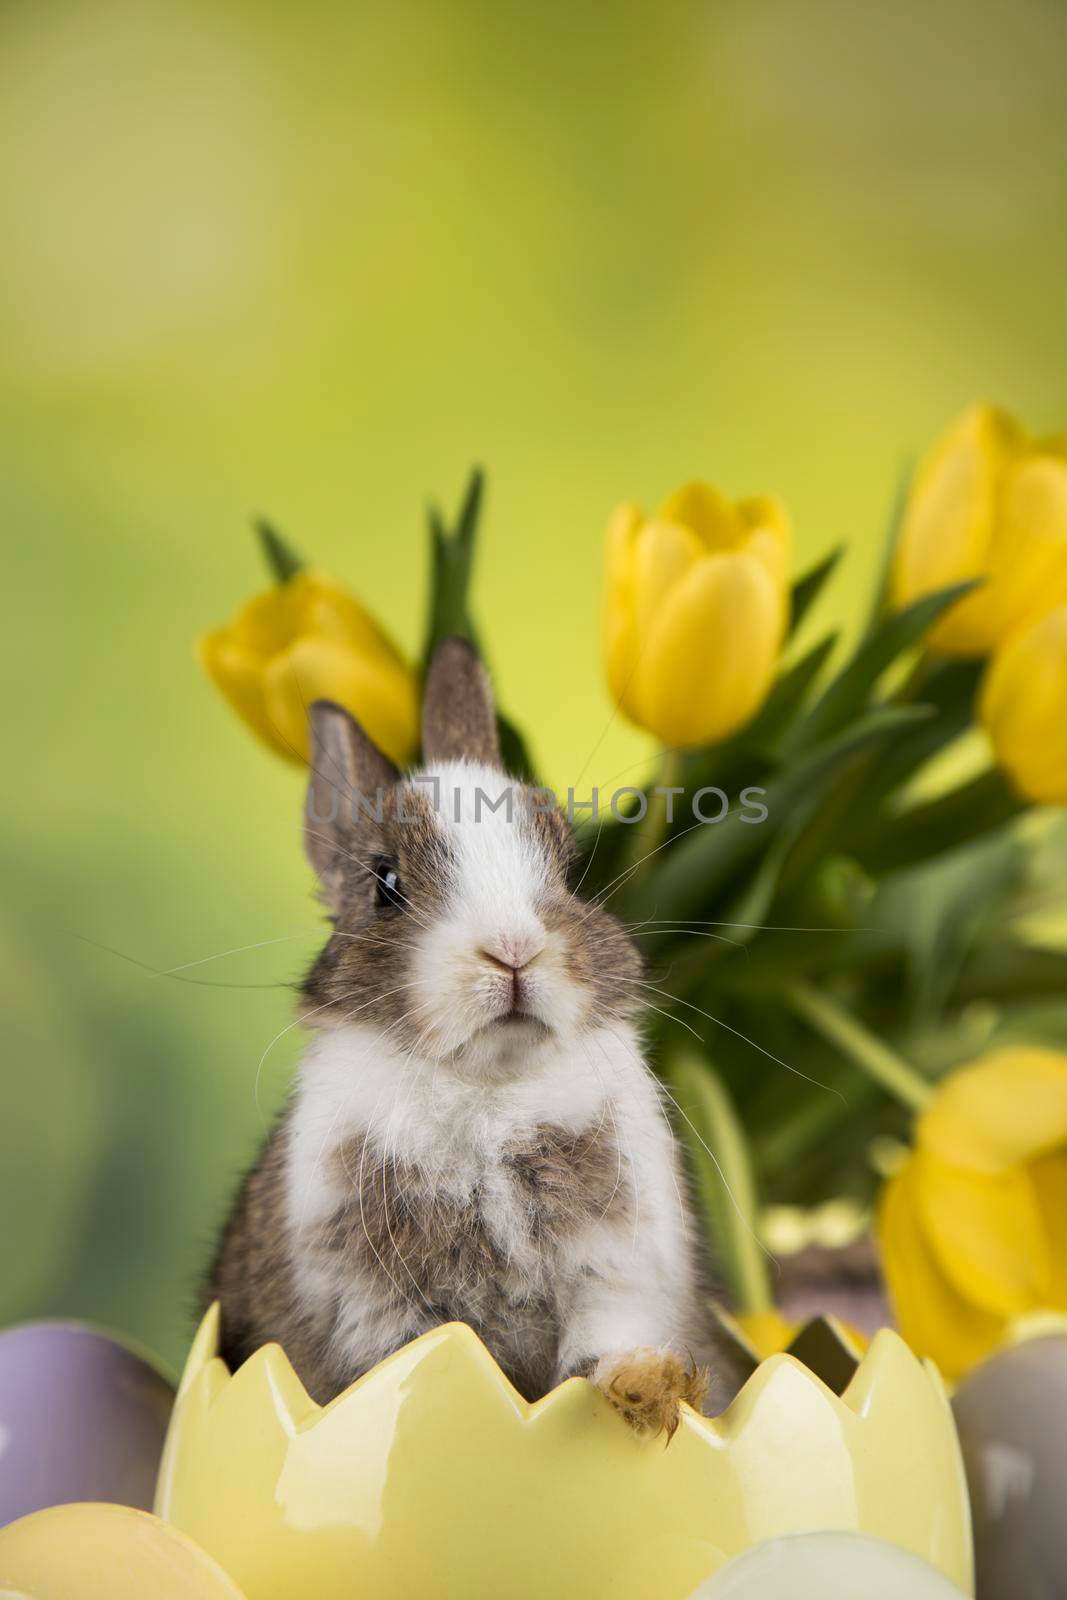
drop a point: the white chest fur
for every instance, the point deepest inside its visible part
(453, 1129)
(457, 1134)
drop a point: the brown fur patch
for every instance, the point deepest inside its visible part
(434, 1250)
(425, 1242)
(251, 1278)
(570, 1179)
(429, 1247)
(430, 1256)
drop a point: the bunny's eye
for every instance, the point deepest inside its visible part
(389, 894)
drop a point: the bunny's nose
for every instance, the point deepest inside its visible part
(511, 952)
(501, 966)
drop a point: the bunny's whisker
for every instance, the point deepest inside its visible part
(719, 1023)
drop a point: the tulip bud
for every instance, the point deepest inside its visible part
(986, 503)
(696, 607)
(309, 639)
(1023, 707)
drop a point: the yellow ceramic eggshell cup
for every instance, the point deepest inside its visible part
(431, 1476)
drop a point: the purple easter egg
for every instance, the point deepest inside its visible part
(82, 1417)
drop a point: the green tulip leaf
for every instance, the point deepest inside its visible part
(1003, 970)
(717, 1147)
(451, 569)
(940, 910)
(890, 540)
(701, 863)
(1021, 1024)
(452, 555)
(949, 688)
(282, 560)
(856, 817)
(748, 912)
(921, 832)
(810, 585)
(848, 693)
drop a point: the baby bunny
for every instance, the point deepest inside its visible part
(474, 1134)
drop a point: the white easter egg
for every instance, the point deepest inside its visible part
(832, 1565)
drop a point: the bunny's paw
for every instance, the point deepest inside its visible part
(647, 1387)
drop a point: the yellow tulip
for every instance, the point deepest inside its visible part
(987, 502)
(696, 606)
(1022, 706)
(973, 1228)
(309, 639)
(767, 1332)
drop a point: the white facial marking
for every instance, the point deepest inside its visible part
(487, 960)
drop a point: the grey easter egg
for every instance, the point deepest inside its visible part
(1012, 1419)
(82, 1417)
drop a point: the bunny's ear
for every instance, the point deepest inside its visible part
(347, 776)
(458, 719)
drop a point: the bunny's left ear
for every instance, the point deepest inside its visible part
(458, 717)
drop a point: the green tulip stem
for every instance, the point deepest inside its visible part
(839, 1028)
(650, 834)
(722, 1176)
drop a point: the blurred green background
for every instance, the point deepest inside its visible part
(315, 260)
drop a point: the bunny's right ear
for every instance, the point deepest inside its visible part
(347, 774)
